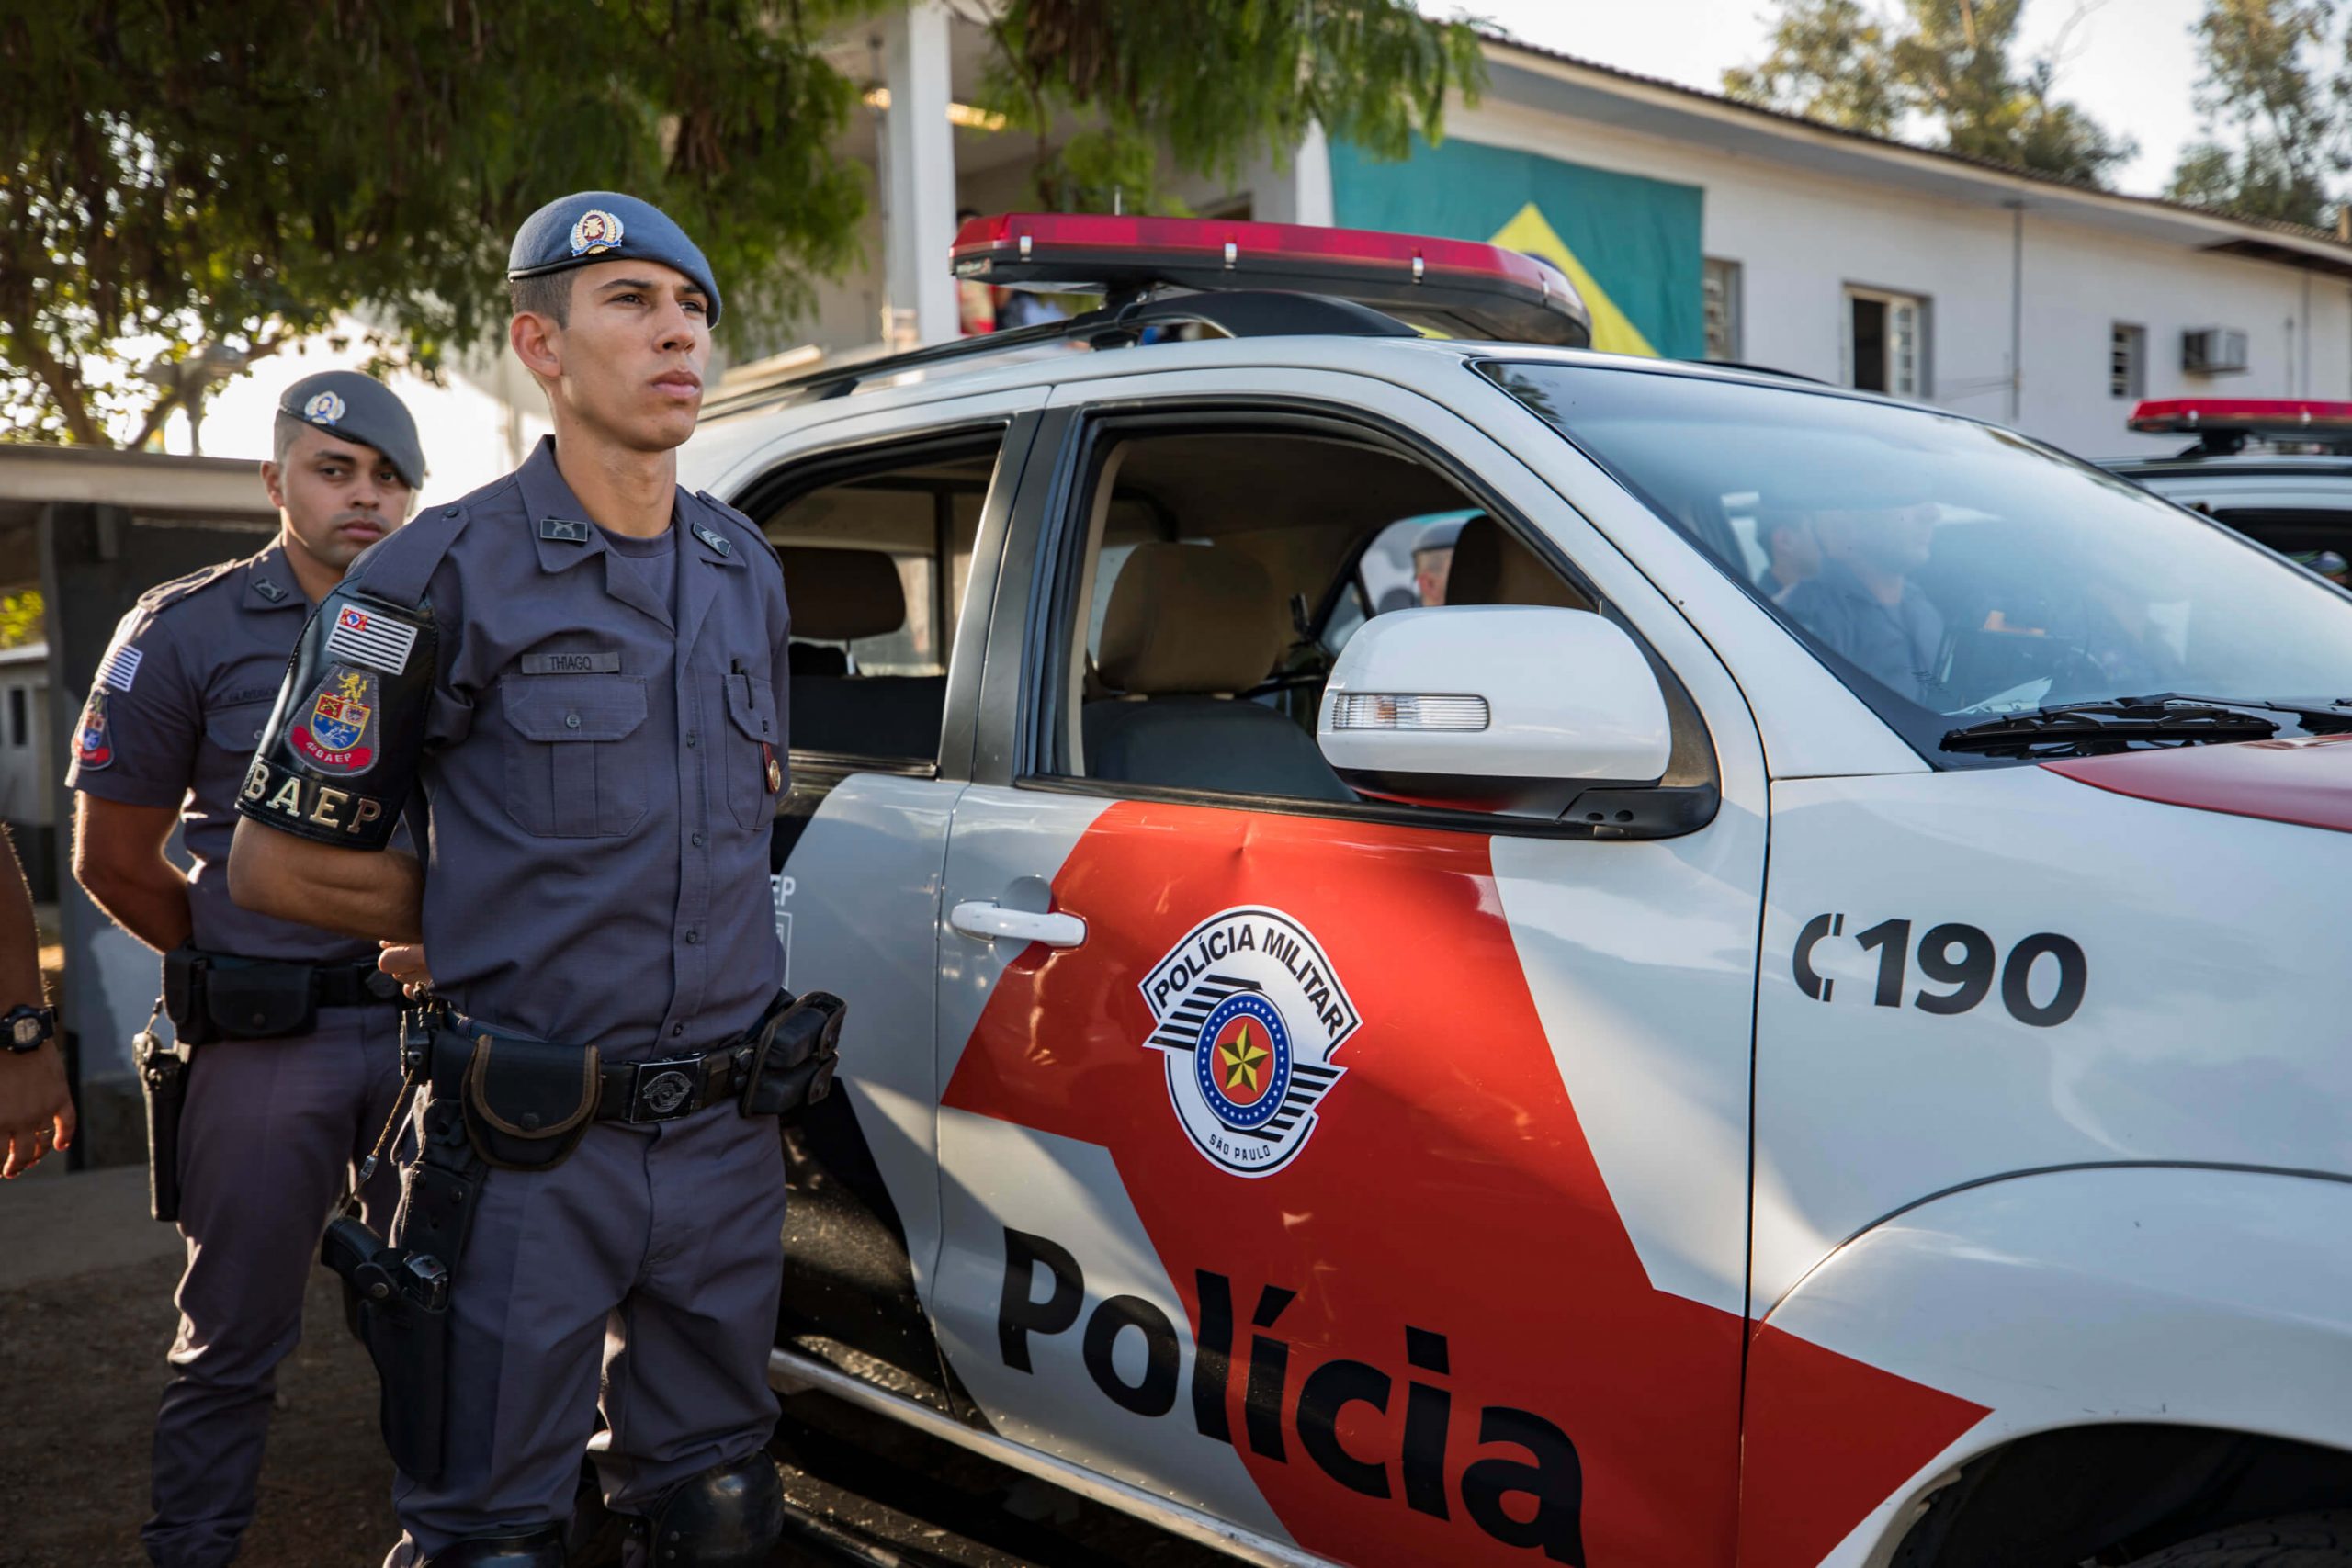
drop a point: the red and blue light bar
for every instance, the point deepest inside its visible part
(1460, 288)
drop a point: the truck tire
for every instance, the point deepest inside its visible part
(2299, 1541)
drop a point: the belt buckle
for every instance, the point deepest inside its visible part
(663, 1091)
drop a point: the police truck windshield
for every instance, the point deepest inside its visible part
(1952, 572)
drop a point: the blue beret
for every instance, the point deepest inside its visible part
(348, 403)
(604, 225)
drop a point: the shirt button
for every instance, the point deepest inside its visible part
(448, 512)
(692, 736)
(701, 839)
(693, 937)
(677, 1030)
(572, 721)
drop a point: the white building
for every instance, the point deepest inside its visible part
(28, 804)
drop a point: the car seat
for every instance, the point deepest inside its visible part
(1189, 625)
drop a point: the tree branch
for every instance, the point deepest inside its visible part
(64, 386)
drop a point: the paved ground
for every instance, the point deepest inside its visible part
(85, 1318)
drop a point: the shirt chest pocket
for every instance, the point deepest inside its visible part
(570, 771)
(238, 730)
(753, 758)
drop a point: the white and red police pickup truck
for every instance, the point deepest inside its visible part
(1793, 1019)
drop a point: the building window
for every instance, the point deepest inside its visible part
(1720, 286)
(2127, 361)
(1886, 343)
(16, 715)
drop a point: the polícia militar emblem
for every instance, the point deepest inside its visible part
(1248, 1013)
(597, 230)
(92, 746)
(338, 733)
(323, 408)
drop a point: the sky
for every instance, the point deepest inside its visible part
(2133, 63)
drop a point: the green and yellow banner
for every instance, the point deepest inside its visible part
(1629, 244)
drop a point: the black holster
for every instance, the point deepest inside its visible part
(795, 1051)
(163, 1081)
(397, 1293)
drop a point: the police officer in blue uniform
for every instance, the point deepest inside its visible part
(582, 672)
(286, 1059)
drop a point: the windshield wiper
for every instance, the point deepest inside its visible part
(2112, 725)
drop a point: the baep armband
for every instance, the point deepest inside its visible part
(340, 755)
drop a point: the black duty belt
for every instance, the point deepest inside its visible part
(627, 1091)
(353, 986)
(348, 985)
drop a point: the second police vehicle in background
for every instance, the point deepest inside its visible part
(1790, 1021)
(2277, 470)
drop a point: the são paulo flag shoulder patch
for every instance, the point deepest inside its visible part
(1249, 1013)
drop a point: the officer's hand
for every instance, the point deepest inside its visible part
(404, 961)
(35, 1106)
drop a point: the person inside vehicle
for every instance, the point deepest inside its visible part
(1863, 602)
(1792, 552)
(1433, 559)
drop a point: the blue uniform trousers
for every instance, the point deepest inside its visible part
(640, 1276)
(269, 1138)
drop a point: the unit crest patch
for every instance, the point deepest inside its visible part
(93, 738)
(339, 731)
(596, 232)
(1249, 1014)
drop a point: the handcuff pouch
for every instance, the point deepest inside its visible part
(528, 1102)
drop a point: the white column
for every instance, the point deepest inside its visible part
(1300, 192)
(918, 173)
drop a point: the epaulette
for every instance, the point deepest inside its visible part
(750, 527)
(180, 588)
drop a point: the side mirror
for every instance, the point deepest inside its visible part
(1505, 708)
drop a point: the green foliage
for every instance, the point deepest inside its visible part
(1216, 81)
(184, 172)
(1950, 64)
(1829, 63)
(189, 177)
(2264, 88)
(20, 618)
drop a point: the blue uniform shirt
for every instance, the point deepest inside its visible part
(180, 702)
(597, 769)
(1896, 644)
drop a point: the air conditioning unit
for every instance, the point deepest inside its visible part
(2212, 351)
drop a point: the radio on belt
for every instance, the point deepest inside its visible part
(1457, 288)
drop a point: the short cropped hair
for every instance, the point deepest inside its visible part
(545, 294)
(283, 432)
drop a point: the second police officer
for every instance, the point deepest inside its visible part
(583, 668)
(290, 1034)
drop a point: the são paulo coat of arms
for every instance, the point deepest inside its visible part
(339, 732)
(1248, 1013)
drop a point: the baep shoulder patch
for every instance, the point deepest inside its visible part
(339, 755)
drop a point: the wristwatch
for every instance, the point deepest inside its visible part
(26, 1029)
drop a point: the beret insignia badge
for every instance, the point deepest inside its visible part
(324, 409)
(596, 231)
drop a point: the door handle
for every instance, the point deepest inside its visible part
(991, 920)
